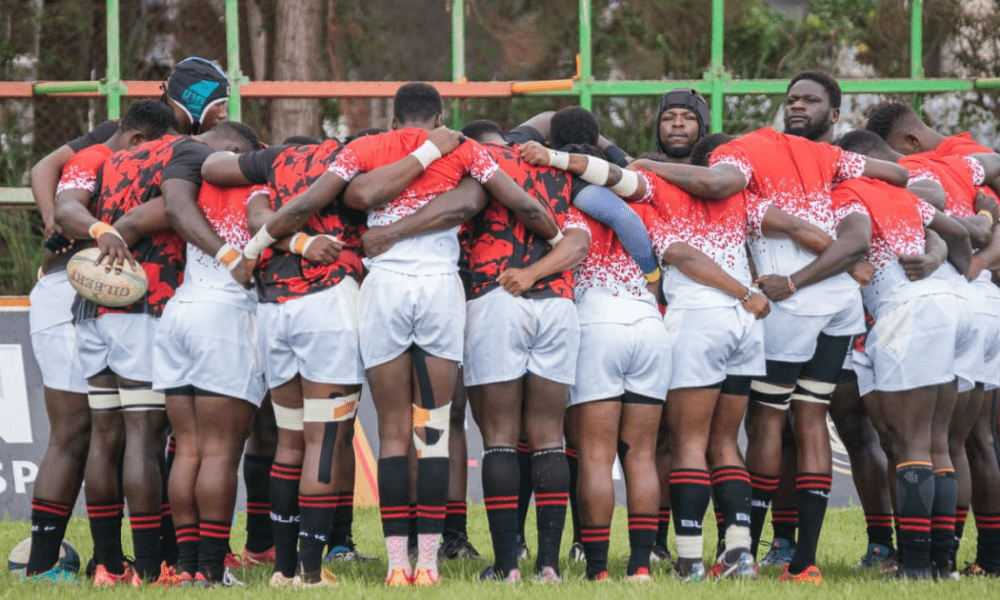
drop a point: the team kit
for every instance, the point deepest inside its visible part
(225, 301)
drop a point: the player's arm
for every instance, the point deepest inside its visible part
(991, 165)
(920, 266)
(376, 188)
(317, 249)
(930, 191)
(75, 219)
(888, 172)
(44, 179)
(223, 169)
(448, 210)
(566, 254)
(528, 210)
(701, 269)
(143, 220)
(956, 237)
(987, 258)
(718, 181)
(779, 224)
(852, 244)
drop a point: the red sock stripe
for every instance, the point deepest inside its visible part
(761, 482)
(571, 452)
(988, 521)
(552, 499)
(395, 512)
(961, 513)
(457, 508)
(54, 508)
(318, 501)
(522, 447)
(214, 530)
(165, 510)
(689, 476)
(813, 482)
(718, 518)
(879, 520)
(784, 515)
(595, 534)
(258, 508)
(287, 473)
(914, 524)
(500, 502)
(144, 521)
(171, 444)
(643, 522)
(943, 522)
(431, 512)
(188, 533)
(730, 474)
(98, 511)
(346, 499)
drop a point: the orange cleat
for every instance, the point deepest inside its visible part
(233, 561)
(253, 559)
(641, 575)
(168, 577)
(810, 575)
(425, 578)
(102, 578)
(398, 577)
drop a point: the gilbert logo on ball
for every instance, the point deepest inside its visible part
(107, 288)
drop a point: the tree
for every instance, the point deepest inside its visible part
(297, 57)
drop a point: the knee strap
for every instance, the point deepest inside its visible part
(769, 394)
(287, 418)
(807, 390)
(142, 399)
(434, 424)
(102, 399)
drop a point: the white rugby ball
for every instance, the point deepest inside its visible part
(18, 557)
(103, 287)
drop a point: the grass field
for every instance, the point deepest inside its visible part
(842, 544)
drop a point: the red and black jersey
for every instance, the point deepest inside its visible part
(282, 276)
(499, 241)
(128, 179)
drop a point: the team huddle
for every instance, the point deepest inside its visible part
(519, 272)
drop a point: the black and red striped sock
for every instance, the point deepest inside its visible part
(879, 529)
(188, 540)
(943, 545)
(961, 514)
(915, 490)
(168, 535)
(212, 549)
(48, 527)
(813, 495)
(315, 520)
(343, 521)
(762, 489)
(551, 479)
(106, 530)
(663, 526)
(455, 520)
(642, 531)
(432, 494)
(526, 486)
(501, 482)
(988, 542)
(573, 462)
(146, 543)
(595, 540)
(284, 498)
(731, 490)
(784, 522)
(394, 495)
(256, 477)
(690, 492)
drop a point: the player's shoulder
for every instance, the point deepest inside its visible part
(90, 156)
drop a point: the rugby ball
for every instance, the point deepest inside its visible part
(103, 287)
(18, 558)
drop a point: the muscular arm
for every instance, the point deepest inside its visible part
(143, 220)
(294, 214)
(375, 189)
(957, 239)
(718, 181)
(180, 198)
(931, 191)
(72, 214)
(988, 257)
(779, 224)
(854, 234)
(702, 269)
(223, 169)
(887, 171)
(44, 179)
(991, 165)
(528, 210)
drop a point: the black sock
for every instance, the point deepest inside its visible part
(432, 494)
(690, 493)
(988, 543)
(595, 542)
(812, 491)
(642, 531)
(256, 477)
(784, 522)
(455, 520)
(731, 489)
(572, 461)
(106, 530)
(168, 536)
(761, 492)
(526, 486)
(961, 514)
(315, 520)
(212, 549)
(343, 521)
(720, 531)
(663, 526)
(146, 543)
(394, 495)
(48, 527)
(879, 529)
(915, 490)
(899, 536)
(943, 546)
(501, 481)
(411, 529)
(284, 498)
(551, 479)
(188, 540)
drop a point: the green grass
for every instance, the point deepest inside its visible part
(842, 544)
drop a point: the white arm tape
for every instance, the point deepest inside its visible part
(426, 153)
(627, 185)
(555, 240)
(258, 243)
(559, 160)
(330, 410)
(597, 171)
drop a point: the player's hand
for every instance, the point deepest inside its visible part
(51, 229)
(775, 287)
(918, 266)
(242, 275)
(57, 243)
(378, 240)
(863, 272)
(975, 268)
(987, 203)
(323, 250)
(639, 163)
(516, 281)
(445, 139)
(757, 305)
(113, 249)
(534, 154)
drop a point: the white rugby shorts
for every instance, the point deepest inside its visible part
(121, 342)
(53, 336)
(792, 338)
(315, 336)
(712, 343)
(506, 337)
(619, 357)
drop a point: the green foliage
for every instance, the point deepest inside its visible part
(20, 251)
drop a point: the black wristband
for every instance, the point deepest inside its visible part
(616, 156)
